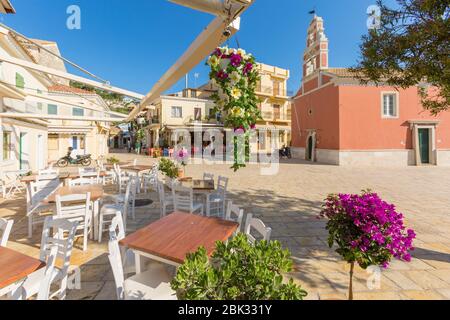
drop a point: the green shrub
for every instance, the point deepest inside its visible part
(168, 167)
(112, 160)
(237, 271)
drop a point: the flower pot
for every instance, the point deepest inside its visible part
(180, 173)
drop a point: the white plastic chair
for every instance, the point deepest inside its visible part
(183, 200)
(234, 213)
(5, 230)
(153, 284)
(58, 235)
(215, 202)
(76, 208)
(256, 224)
(109, 211)
(165, 200)
(36, 193)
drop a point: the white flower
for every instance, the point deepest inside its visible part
(213, 61)
(236, 93)
(213, 82)
(241, 52)
(235, 77)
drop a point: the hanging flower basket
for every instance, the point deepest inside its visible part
(233, 72)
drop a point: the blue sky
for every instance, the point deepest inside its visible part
(133, 45)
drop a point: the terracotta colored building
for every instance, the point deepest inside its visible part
(337, 120)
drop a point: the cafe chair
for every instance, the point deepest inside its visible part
(183, 200)
(120, 198)
(77, 208)
(262, 231)
(5, 230)
(56, 244)
(208, 176)
(89, 173)
(215, 202)
(82, 182)
(234, 213)
(153, 284)
(46, 172)
(165, 200)
(36, 193)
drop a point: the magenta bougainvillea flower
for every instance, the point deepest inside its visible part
(367, 229)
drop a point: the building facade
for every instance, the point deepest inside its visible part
(338, 120)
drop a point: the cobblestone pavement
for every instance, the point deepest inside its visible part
(289, 202)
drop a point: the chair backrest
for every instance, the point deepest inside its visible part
(208, 176)
(161, 191)
(46, 172)
(46, 282)
(60, 233)
(39, 190)
(92, 174)
(183, 198)
(259, 226)
(234, 213)
(222, 185)
(74, 205)
(82, 181)
(115, 258)
(5, 230)
(46, 177)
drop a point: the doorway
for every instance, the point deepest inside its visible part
(424, 145)
(40, 153)
(311, 147)
(23, 154)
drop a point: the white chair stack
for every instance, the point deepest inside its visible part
(153, 284)
(257, 225)
(5, 230)
(183, 200)
(215, 202)
(77, 208)
(57, 243)
(38, 191)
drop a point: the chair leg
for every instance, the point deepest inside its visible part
(85, 237)
(30, 227)
(100, 228)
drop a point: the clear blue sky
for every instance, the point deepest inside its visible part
(133, 45)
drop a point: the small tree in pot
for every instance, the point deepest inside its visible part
(237, 270)
(366, 230)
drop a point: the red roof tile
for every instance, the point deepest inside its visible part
(67, 89)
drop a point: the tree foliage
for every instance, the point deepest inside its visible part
(411, 48)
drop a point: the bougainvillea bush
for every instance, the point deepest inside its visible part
(366, 230)
(234, 74)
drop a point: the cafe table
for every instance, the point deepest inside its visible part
(96, 191)
(66, 176)
(15, 267)
(171, 238)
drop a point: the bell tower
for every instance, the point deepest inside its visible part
(316, 54)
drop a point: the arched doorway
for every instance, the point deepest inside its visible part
(311, 147)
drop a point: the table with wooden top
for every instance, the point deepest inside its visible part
(198, 185)
(15, 267)
(62, 176)
(171, 238)
(96, 191)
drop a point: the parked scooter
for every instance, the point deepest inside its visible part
(85, 160)
(285, 152)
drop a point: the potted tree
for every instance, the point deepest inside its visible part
(237, 270)
(168, 168)
(366, 230)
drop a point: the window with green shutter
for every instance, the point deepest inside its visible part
(52, 109)
(20, 81)
(78, 112)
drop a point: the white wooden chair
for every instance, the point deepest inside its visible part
(110, 177)
(109, 211)
(36, 193)
(90, 173)
(5, 230)
(215, 202)
(153, 284)
(256, 224)
(150, 179)
(82, 182)
(165, 200)
(183, 200)
(208, 176)
(234, 213)
(51, 172)
(120, 198)
(77, 208)
(57, 243)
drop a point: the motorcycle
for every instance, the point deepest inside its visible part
(285, 153)
(83, 160)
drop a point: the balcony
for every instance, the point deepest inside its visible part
(271, 91)
(272, 116)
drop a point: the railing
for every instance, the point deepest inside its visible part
(273, 91)
(271, 116)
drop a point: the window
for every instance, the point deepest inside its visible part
(390, 105)
(7, 146)
(52, 109)
(177, 112)
(78, 112)
(39, 91)
(198, 114)
(39, 106)
(193, 93)
(20, 81)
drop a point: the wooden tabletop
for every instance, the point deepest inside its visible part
(178, 234)
(207, 185)
(137, 168)
(96, 191)
(62, 176)
(15, 266)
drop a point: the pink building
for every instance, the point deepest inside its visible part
(337, 120)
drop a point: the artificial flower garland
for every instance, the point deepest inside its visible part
(234, 74)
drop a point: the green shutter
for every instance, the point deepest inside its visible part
(20, 81)
(52, 109)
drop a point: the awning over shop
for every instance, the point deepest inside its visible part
(81, 131)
